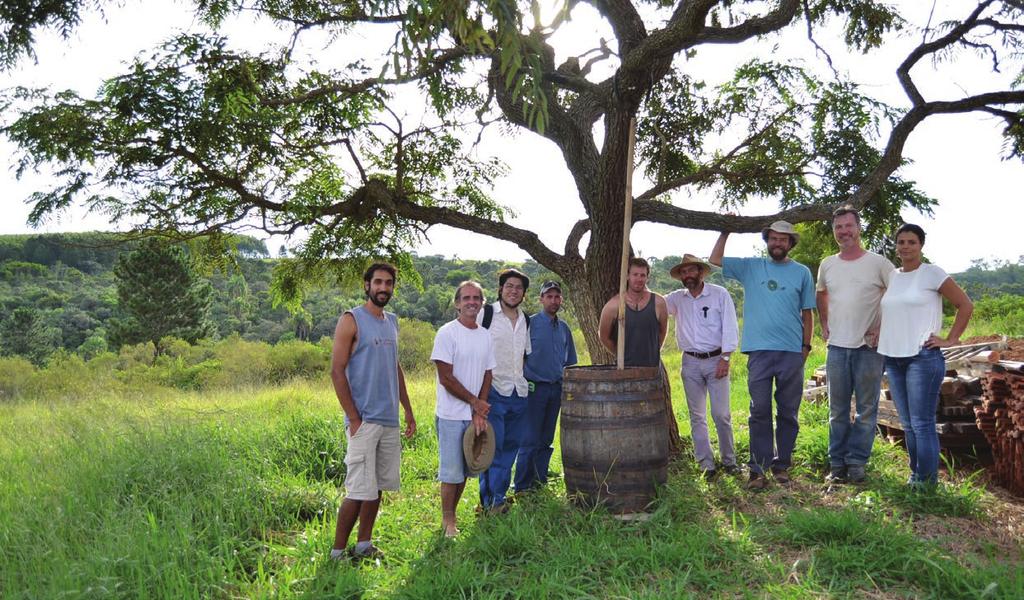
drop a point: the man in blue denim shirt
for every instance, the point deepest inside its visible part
(553, 350)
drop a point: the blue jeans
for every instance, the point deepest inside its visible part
(852, 372)
(538, 434)
(914, 382)
(506, 417)
(786, 371)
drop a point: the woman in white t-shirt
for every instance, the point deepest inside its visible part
(910, 341)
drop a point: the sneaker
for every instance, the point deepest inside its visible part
(373, 553)
(836, 475)
(757, 482)
(781, 476)
(341, 556)
(856, 473)
(496, 509)
(733, 470)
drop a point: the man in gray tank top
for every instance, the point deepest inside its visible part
(370, 385)
(646, 319)
(646, 326)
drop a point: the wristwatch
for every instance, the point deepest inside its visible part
(725, 357)
(807, 347)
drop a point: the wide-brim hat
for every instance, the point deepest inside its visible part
(478, 449)
(689, 259)
(782, 227)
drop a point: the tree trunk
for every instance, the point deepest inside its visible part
(592, 286)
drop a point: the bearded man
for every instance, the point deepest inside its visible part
(778, 319)
(370, 385)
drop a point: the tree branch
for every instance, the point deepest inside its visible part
(434, 66)
(892, 157)
(715, 168)
(660, 212)
(954, 35)
(651, 59)
(773, 21)
(626, 22)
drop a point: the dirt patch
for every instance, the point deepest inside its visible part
(963, 536)
(1014, 351)
(1006, 517)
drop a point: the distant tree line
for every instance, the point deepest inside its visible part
(61, 292)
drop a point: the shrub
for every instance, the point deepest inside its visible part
(297, 359)
(174, 347)
(138, 354)
(415, 342)
(242, 363)
(15, 374)
(67, 377)
(179, 374)
(93, 346)
(1005, 313)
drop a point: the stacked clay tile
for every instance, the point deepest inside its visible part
(1001, 418)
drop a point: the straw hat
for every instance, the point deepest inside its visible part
(689, 259)
(478, 449)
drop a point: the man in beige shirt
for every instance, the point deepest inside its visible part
(849, 290)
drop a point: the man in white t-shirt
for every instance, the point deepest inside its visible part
(464, 359)
(707, 335)
(849, 290)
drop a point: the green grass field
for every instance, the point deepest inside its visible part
(233, 494)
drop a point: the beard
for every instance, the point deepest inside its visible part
(778, 253)
(377, 301)
(509, 304)
(690, 282)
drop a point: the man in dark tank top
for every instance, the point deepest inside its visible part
(646, 326)
(646, 319)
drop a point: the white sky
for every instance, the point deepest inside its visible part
(956, 158)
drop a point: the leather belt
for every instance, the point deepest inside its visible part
(703, 354)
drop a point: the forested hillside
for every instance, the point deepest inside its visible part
(58, 291)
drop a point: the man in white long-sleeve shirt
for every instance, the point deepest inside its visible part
(707, 334)
(510, 336)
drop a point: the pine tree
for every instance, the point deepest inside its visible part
(159, 294)
(25, 333)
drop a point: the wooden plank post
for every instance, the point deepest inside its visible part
(627, 224)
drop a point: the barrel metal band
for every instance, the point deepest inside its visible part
(576, 422)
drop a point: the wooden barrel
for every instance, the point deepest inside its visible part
(614, 436)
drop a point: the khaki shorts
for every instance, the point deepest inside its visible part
(372, 460)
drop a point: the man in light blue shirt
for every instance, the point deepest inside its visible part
(553, 350)
(777, 324)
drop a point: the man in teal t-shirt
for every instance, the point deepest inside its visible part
(778, 300)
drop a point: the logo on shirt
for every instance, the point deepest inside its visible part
(378, 341)
(773, 286)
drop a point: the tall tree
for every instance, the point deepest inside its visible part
(25, 333)
(200, 137)
(159, 294)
